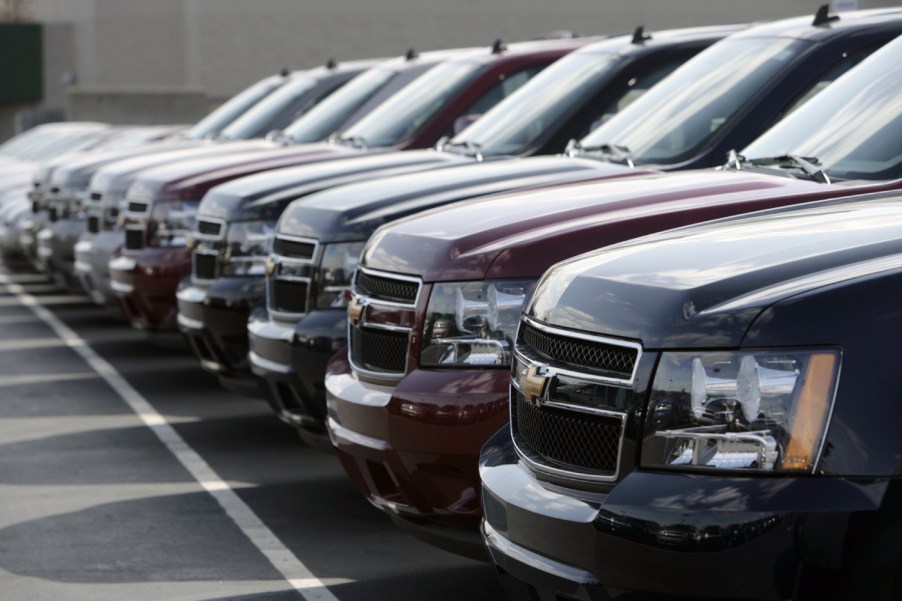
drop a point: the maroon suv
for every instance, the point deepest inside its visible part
(146, 278)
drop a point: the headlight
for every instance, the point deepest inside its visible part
(78, 201)
(247, 247)
(335, 273)
(171, 222)
(755, 410)
(473, 323)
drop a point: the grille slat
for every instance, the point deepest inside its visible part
(288, 296)
(567, 440)
(614, 360)
(137, 207)
(96, 196)
(384, 352)
(134, 239)
(294, 248)
(205, 266)
(208, 228)
(386, 288)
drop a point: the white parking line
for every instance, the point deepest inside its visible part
(292, 569)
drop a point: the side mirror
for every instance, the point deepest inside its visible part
(464, 121)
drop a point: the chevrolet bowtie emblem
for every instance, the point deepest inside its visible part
(535, 383)
(355, 310)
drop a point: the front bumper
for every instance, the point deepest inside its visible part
(213, 320)
(93, 254)
(28, 242)
(672, 536)
(291, 360)
(82, 269)
(57, 248)
(413, 449)
(145, 286)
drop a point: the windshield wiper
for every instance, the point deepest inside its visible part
(278, 136)
(810, 166)
(352, 141)
(613, 153)
(470, 148)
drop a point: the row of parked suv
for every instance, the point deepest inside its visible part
(458, 270)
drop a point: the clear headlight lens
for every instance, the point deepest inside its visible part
(755, 410)
(171, 222)
(247, 247)
(473, 323)
(335, 274)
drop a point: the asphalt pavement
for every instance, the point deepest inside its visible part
(128, 474)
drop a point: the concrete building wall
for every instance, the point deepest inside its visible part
(220, 46)
(231, 42)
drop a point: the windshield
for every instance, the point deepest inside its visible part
(515, 124)
(260, 119)
(328, 115)
(853, 129)
(213, 123)
(677, 117)
(413, 106)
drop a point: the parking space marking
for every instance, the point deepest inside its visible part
(62, 299)
(34, 343)
(27, 379)
(18, 319)
(285, 562)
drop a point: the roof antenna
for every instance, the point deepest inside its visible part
(331, 64)
(411, 54)
(823, 16)
(284, 72)
(639, 36)
(498, 47)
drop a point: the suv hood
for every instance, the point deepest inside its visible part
(191, 179)
(710, 282)
(77, 171)
(268, 194)
(351, 213)
(117, 176)
(520, 235)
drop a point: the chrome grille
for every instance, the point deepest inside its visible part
(379, 351)
(385, 288)
(204, 266)
(209, 228)
(135, 206)
(288, 296)
(295, 249)
(564, 439)
(134, 239)
(618, 361)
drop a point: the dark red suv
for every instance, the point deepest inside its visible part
(415, 117)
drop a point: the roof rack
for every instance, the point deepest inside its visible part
(823, 16)
(639, 36)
